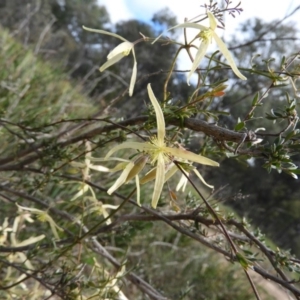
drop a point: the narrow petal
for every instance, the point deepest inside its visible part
(111, 62)
(190, 25)
(123, 48)
(199, 56)
(14, 230)
(130, 145)
(133, 76)
(159, 180)
(161, 127)
(139, 165)
(82, 191)
(182, 182)
(53, 228)
(202, 179)
(149, 176)
(105, 215)
(228, 56)
(183, 25)
(171, 171)
(212, 20)
(110, 206)
(31, 240)
(190, 156)
(109, 159)
(121, 180)
(99, 168)
(34, 210)
(77, 164)
(138, 190)
(119, 167)
(104, 32)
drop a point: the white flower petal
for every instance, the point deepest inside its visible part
(105, 215)
(149, 176)
(121, 180)
(82, 191)
(111, 62)
(182, 182)
(110, 206)
(183, 25)
(139, 165)
(191, 25)
(123, 48)
(170, 172)
(133, 76)
(159, 180)
(53, 228)
(199, 56)
(119, 167)
(190, 156)
(212, 20)
(99, 168)
(202, 179)
(161, 127)
(104, 32)
(138, 190)
(130, 145)
(228, 56)
(34, 210)
(109, 159)
(31, 240)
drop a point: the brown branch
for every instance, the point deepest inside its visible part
(153, 215)
(269, 29)
(217, 132)
(285, 282)
(263, 248)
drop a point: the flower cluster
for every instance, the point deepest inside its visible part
(157, 151)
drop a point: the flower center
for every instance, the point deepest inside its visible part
(126, 52)
(159, 149)
(205, 34)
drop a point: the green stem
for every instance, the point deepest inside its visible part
(170, 73)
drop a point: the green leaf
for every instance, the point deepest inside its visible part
(255, 99)
(295, 171)
(242, 260)
(239, 126)
(270, 117)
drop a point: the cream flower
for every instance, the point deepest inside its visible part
(161, 155)
(130, 169)
(43, 217)
(117, 54)
(18, 257)
(207, 34)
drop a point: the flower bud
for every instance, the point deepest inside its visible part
(139, 165)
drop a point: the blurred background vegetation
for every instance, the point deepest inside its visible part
(49, 73)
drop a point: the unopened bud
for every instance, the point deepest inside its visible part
(149, 176)
(139, 164)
